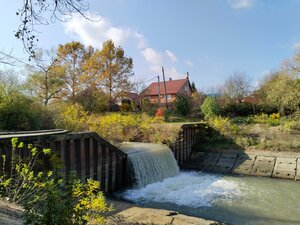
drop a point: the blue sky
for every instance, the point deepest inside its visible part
(210, 39)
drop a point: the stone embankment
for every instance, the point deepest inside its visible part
(255, 163)
(129, 214)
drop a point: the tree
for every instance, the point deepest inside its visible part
(9, 82)
(45, 81)
(183, 105)
(293, 65)
(71, 58)
(193, 86)
(17, 111)
(236, 87)
(34, 13)
(281, 89)
(197, 100)
(210, 107)
(113, 69)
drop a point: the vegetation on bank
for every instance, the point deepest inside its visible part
(33, 181)
(78, 87)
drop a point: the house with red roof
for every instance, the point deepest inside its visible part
(173, 88)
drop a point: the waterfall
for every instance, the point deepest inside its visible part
(149, 163)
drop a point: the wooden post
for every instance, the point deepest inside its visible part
(158, 89)
(163, 72)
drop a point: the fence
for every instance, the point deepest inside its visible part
(92, 156)
(86, 153)
(182, 148)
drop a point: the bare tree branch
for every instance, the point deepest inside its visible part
(42, 12)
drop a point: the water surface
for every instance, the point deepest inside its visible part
(231, 199)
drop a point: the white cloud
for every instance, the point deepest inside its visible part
(171, 55)
(173, 73)
(141, 40)
(189, 63)
(152, 56)
(296, 46)
(95, 33)
(240, 4)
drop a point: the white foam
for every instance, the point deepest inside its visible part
(194, 189)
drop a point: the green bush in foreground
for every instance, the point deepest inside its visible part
(210, 107)
(47, 198)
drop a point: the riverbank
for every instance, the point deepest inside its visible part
(125, 213)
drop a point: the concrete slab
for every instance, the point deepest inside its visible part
(263, 166)
(229, 155)
(297, 177)
(209, 161)
(225, 163)
(243, 164)
(202, 161)
(285, 168)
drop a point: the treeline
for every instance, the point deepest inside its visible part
(73, 74)
(278, 92)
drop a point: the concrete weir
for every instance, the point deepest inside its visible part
(241, 163)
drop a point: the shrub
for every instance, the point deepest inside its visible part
(21, 182)
(183, 105)
(162, 133)
(70, 203)
(117, 127)
(271, 120)
(18, 112)
(126, 105)
(45, 196)
(210, 107)
(71, 117)
(224, 126)
(160, 112)
(238, 109)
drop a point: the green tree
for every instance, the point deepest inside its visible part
(193, 86)
(281, 89)
(183, 105)
(210, 108)
(113, 69)
(17, 111)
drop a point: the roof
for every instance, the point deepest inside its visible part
(250, 99)
(172, 86)
(130, 95)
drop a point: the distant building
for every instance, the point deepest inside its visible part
(250, 99)
(128, 97)
(173, 88)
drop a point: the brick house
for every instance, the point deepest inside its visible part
(173, 88)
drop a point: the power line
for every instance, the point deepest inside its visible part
(142, 82)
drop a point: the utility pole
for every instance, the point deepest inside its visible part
(158, 89)
(163, 72)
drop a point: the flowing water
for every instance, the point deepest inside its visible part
(232, 199)
(149, 163)
(237, 200)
